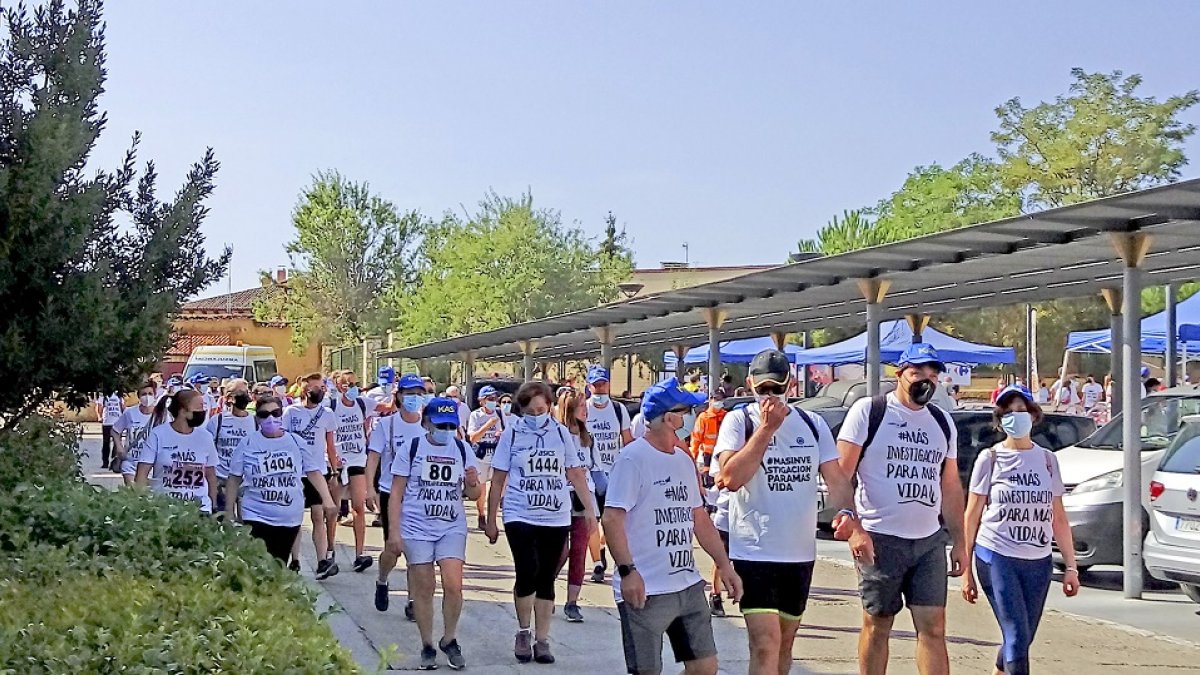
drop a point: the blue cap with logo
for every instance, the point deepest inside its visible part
(487, 391)
(442, 411)
(662, 397)
(199, 378)
(386, 375)
(919, 354)
(278, 380)
(411, 381)
(1014, 390)
(596, 374)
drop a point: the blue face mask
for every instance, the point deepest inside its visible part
(427, 398)
(536, 421)
(412, 402)
(489, 405)
(600, 399)
(1017, 424)
(442, 436)
(506, 408)
(352, 393)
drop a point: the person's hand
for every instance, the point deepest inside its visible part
(1070, 583)
(592, 524)
(633, 589)
(773, 412)
(471, 476)
(958, 561)
(843, 526)
(395, 546)
(970, 591)
(733, 582)
(492, 532)
(862, 547)
(331, 509)
(373, 501)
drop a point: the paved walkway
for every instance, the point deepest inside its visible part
(826, 642)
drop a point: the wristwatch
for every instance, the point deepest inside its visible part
(849, 513)
(625, 570)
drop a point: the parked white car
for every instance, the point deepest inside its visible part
(1093, 473)
(1172, 550)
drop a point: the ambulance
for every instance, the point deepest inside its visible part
(253, 363)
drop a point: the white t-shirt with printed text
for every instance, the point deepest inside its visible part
(1092, 392)
(111, 408)
(390, 435)
(179, 462)
(478, 418)
(1018, 520)
(350, 435)
(899, 489)
(433, 496)
(271, 470)
(773, 517)
(659, 493)
(228, 432)
(536, 491)
(606, 425)
(299, 420)
(134, 427)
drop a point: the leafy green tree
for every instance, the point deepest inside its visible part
(91, 265)
(853, 230)
(352, 249)
(507, 263)
(1100, 139)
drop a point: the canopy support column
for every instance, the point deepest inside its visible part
(528, 347)
(714, 318)
(607, 335)
(468, 365)
(1031, 347)
(1132, 248)
(873, 291)
(1116, 369)
(804, 369)
(918, 323)
(629, 373)
(1171, 356)
(679, 351)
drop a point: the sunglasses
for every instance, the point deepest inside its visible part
(264, 414)
(770, 390)
(446, 427)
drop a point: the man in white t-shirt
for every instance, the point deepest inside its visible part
(353, 412)
(229, 428)
(768, 456)
(484, 426)
(654, 514)
(904, 452)
(108, 411)
(313, 425)
(608, 424)
(463, 412)
(1092, 393)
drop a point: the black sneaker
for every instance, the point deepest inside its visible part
(453, 654)
(294, 565)
(362, 562)
(378, 522)
(571, 611)
(331, 569)
(381, 596)
(408, 611)
(541, 652)
(322, 569)
(428, 658)
(716, 606)
(598, 574)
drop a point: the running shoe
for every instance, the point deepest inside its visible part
(428, 658)
(381, 596)
(522, 648)
(598, 574)
(541, 652)
(331, 569)
(571, 611)
(717, 607)
(322, 568)
(408, 611)
(294, 565)
(378, 522)
(453, 654)
(362, 562)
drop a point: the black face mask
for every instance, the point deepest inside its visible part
(921, 391)
(196, 419)
(241, 401)
(315, 397)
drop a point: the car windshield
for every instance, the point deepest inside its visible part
(215, 371)
(1162, 419)
(1184, 454)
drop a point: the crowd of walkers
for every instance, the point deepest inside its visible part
(566, 476)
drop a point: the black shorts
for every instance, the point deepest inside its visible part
(278, 538)
(911, 571)
(724, 534)
(383, 513)
(311, 496)
(775, 587)
(600, 501)
(353, 471)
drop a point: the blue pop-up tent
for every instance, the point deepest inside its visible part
(895, 337)
(732, 351)
(1154, 332)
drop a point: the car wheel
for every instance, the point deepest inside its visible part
(1192, 591)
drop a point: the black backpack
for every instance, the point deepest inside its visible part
(875, 419)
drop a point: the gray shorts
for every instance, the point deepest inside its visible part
(683, 616)
(906, 571)
(452, 545)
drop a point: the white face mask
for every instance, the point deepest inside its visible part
(147, 400)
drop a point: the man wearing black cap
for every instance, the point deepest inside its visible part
(904, 452)
(769, 455)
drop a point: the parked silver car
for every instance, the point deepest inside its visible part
(1172, 551)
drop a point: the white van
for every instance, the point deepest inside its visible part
(255, 364)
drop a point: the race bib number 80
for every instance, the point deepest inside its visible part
(441, 472)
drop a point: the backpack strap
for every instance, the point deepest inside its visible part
(939, 416)
(748, 426)
(412, 451)
(875, 415)
(621, 413)
(812, 426)
(991, 471)
(362, 405)
(500, 416)
(462, 451)
(220, 421)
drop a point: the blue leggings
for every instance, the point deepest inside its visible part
(1016, 589)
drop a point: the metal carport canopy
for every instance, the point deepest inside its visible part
(1058, 253)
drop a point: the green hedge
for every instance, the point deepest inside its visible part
(40, 450)
(94, 581)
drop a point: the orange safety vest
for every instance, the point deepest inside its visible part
(704, 436)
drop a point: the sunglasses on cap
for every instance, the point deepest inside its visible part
(770, 389)
(264, 414)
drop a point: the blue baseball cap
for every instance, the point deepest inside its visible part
(175, 381)
(386, 375)
(1011, 390)
(1145, 371)
(487, 391)
(920, 353)
(411, 381)
(597, 374)
(442, 411)
(665, 395)
(278, 380)
(199, 378)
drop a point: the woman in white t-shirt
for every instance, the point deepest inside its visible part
(1014, 512)
(132, 428)
(264, 488)
(181, 455)
(541, 456)
(571, 412)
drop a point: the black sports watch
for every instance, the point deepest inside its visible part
(625, 570)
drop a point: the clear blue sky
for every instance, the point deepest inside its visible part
(738, 128)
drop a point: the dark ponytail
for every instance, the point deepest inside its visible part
(172, 404)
